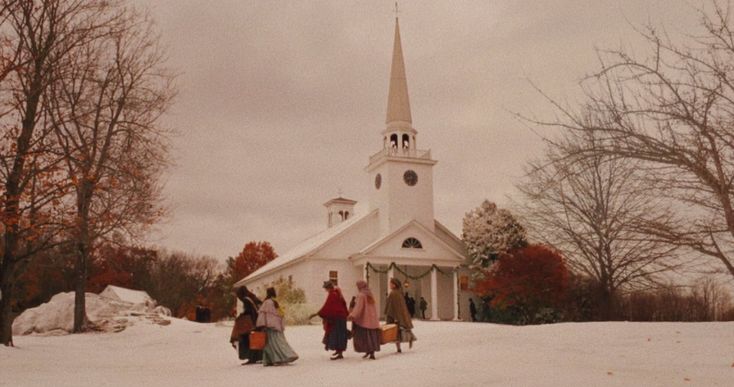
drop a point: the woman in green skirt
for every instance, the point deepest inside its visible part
(270, 317)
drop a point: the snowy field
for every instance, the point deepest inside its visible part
(447, 354)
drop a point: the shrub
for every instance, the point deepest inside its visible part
(523, 284)
(292, 300)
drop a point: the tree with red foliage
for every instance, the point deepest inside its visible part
(252, 257)
(220, 298)
(525, 281)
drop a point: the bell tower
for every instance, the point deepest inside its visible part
(402, 174)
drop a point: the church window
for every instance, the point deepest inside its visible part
(406, 141)
(346, 215)
(393, 140)
(334, 277)
(412, 243)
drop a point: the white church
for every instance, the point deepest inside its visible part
(397, 237)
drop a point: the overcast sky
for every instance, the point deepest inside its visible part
(282, 102)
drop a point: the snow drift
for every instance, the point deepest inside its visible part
(105, 314)
(127, 295)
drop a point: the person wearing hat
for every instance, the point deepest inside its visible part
(396, 312)
(277, 351)
(334, 314)
(245, 323)
(365, 323)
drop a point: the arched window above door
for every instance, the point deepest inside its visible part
(412, 243)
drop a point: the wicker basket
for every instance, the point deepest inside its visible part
(257, 340)
(388, 333)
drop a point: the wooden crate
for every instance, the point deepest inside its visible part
(389, 333)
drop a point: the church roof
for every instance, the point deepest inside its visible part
(305, 248)
(398, 104)
(340, 200)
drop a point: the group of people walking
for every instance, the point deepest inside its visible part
(262, 316)
(362, 313)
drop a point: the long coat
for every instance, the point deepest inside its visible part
(245, 322)
(396, 309)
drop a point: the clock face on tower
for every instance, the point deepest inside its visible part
(410, 177)
(378, 181)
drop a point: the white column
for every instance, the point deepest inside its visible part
(434, 294)
(456, 296)
(390, 274)
(364, 272)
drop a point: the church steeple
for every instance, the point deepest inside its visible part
(401, 173)
(398, 103)
(399, 133)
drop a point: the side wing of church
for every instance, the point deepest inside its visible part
(397, 237)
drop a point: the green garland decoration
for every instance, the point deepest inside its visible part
(405, 274)
(415, 278)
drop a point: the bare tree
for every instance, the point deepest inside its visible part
(591, 208)
(35, 39)
(179, 280)
(105, 114)
(673, 111)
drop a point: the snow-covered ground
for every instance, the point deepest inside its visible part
(447, 354)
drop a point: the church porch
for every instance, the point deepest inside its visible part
(437, 284)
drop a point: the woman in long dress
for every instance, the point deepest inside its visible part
(334, 313)
(396, 312)
(276, 351)
(244, 324)
(365, 324)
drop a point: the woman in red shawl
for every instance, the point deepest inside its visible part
(334, 313)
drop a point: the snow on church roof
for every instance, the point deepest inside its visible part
(305, 248)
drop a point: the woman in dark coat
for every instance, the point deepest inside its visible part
(334, 313)
(245, 323)
(396, 312)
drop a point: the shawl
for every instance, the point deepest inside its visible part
(397, 310)
(250, 307)
(364, 313)
(269, 316)
(245, 322)
(335, 307)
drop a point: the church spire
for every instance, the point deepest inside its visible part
(398, 105)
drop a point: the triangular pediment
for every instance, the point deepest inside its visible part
(432, 250)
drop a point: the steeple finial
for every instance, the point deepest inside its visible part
(398, 104)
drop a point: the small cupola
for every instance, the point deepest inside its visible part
(338, 210)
